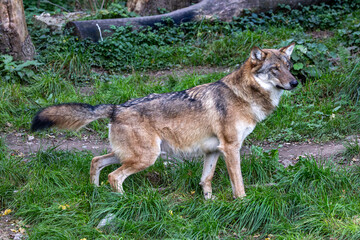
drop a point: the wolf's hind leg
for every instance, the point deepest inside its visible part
(210, 161)
(98, 163)
(117, 177)
(138, 146)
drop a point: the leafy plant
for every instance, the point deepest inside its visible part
(349, 32)
(13, 71)
(310, 59)
(115, 10)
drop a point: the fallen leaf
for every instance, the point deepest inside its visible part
(64, 207)
(6, 212)
(50, 136)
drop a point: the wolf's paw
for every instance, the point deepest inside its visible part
(209, 196)
(96, 184)
(242, 196)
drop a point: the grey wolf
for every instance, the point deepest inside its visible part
(209, 119)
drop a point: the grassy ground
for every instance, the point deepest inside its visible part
(313, 199)
(52, 193)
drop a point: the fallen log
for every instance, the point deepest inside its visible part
(224, 10)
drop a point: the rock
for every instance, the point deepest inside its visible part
(57, 21)
(18, 236)
(353, 138)
(287, 163)
(106, 220)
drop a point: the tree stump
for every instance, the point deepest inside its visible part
(224, 10)
(14, 37)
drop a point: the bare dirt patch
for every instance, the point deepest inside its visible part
(321, 34)
(24, 144)
(199, 70)
(289, 153)
(176, 72)
(11, 228)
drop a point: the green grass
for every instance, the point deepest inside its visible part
(310, 199)
(352, 150)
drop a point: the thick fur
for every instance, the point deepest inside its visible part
(209, 119)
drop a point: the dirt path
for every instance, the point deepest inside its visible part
(24, 144)
(11, 228)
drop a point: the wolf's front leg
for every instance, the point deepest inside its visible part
(210, 161)
(232, 160)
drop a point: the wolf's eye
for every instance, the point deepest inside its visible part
(288, 65)
(274, 68)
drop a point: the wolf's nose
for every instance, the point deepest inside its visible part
(293, 83)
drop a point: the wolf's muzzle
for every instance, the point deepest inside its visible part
(293, 83)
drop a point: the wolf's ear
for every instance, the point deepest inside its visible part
(288, 49)
(256, 54)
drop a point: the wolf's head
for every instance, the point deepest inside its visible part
(271, 68)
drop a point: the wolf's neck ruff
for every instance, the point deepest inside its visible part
(261, 100)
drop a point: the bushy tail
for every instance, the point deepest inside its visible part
(72, 116)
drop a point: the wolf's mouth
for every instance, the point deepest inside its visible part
(291, 86)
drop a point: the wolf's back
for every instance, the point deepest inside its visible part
(70, 116)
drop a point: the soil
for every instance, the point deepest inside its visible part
(176, 72)
(23, 144)
(11, 228)
(199, 70)
(321, 34)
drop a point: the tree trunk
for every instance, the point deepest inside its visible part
(224, 10)
(14, 37)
